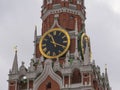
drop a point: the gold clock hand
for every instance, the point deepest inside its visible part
(60, 45)
(53, 41)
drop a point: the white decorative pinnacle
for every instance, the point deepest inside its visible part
(67, 63)
(57, 65)
(15, 63)
(35, 38)
(31, 68)
(76, 54)
(22, 69)
(41, 59)
(87, 55)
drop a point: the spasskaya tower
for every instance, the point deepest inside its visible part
(62, 54)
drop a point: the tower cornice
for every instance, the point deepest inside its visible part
(46, 13)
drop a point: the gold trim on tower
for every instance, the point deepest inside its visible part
(85, 38)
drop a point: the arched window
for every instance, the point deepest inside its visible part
(76, 76)
(48, 85)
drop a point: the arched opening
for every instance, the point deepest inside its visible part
(76, 76)
(49, 84)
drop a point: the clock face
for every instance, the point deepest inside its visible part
(54, 43)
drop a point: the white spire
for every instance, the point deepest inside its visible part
(35, 34)
(35, 39)
(76, 54)
(15, 63)
(106, 75)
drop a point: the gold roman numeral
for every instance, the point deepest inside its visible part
(54, 54)
(59, 33)
(64, 41)
(54, 33)
(59, 51)
(49, 35)
(45, 49)
(43, 45)
(63, 36)
(45, 39)
(48, 53)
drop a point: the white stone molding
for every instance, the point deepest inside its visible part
(87, 55)
(48, 71)
(39, 68)
(41, 59)
(56, 21)
(13, 76)
(63, 9)
(86, 68)
(75, 64)
(67, 63)
(66, 71)
(31, 75)
(72, 34)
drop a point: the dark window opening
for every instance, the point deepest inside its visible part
(48, 86)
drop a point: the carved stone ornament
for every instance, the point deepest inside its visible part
(48, 71)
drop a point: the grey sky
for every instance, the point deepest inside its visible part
(17, 21)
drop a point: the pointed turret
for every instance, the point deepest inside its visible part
(35, 33)
(35, 41)
(15, 64)
(106, 76)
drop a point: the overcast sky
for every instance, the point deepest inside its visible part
(17, 21)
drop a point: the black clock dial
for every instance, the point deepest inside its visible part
(55, 43)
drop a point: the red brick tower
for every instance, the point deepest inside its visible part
(62, 54)
(62, 14)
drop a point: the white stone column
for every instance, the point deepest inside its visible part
(27, 84)
(63, 81)
(69, 80)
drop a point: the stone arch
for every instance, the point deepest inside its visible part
(49, 84)
(47, 75)
(76, 76)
